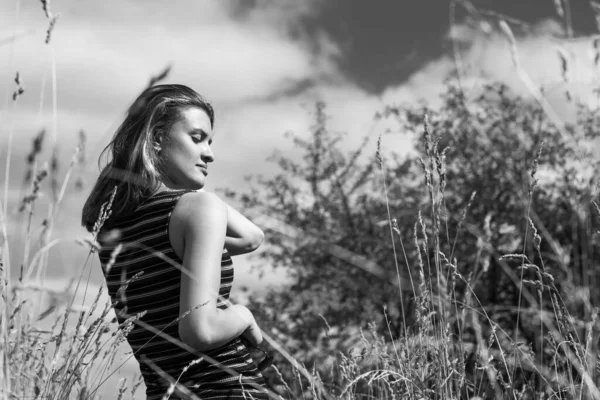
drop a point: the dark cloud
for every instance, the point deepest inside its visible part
(384, 42)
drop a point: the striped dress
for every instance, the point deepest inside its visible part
(146, 288)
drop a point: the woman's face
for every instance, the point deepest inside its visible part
(185, 152)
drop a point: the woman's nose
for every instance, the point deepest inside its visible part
(207, 155)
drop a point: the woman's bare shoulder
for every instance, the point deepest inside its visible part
(196, 215)
(195, 208)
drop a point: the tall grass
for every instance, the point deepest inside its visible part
(454, 351)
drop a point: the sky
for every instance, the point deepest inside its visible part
(262, 64)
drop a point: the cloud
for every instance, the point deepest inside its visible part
(105, 56)
(260, 71)
(425, 85)
(254, 63)
(483, 53)
(542, 54)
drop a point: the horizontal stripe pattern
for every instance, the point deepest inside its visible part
(141, 281)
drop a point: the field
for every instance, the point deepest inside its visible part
(464, 270)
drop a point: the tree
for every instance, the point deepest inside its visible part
(343, 263)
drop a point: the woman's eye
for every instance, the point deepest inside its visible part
(196, 139)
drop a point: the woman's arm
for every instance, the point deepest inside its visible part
(242, 235)
(201, 218)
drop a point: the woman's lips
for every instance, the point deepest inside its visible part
(203, 169)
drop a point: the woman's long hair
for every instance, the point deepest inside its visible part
(134, 166)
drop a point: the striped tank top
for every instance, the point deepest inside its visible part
(143, 280)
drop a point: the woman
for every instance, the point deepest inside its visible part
(170, 271)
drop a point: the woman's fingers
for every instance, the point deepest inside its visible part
(253, 334)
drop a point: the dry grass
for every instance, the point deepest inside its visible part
(427, 362)
(454, 351)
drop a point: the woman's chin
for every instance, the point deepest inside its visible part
(189, 185)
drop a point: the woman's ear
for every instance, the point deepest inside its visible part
(157, 144)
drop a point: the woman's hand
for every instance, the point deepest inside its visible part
(252, 333)
(242, 235)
